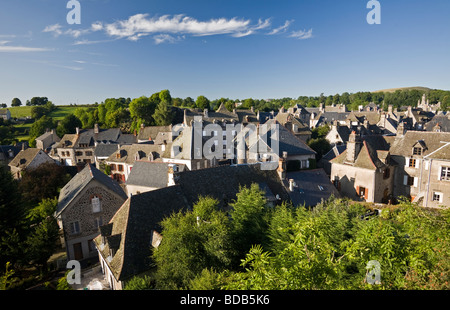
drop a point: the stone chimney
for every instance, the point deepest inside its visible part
(353, 147)
(171, 172)
(96, 128)
(205, 112)
(401, 129)
(282, 168)
(77, 130)
(390, 109)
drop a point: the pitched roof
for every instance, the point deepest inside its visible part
(25, 157)
(135, 222)
(152, 132)
(288, 142)
(402, 146)
(129, 153)
(80, 181)
(311, 187)
(150, 174)
(442, 120)
(373, 153)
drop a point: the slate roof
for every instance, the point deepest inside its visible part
(442, 120)
(134, 222)
(25, 157)
(80, 181)
(150, 174)
(128, 153)
(373, 153)
(306, 189)
(403, 146)
(105, 150)
(152, 132)
(140, 216)
(288, 142)
(88, 136)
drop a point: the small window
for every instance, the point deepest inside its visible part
(98, 222)
(437, 197)
(120, 167)
(74, 228)
(410, 181)
(362, 191)
(113, 167)
(96, 206)
(417, 151)
(445, 174)
(88, 153)
(412, 162)
(386, 173)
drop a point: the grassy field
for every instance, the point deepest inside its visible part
(22, 112)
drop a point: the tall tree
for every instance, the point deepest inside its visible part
(68, 125)
(16, 102)
(163, 115)
(202, 103)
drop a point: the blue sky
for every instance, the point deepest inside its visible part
(235, 49)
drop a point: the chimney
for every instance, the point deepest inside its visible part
(96, 129)
(77, 130)
(282, 168)
(252, 109)
(390, 109)
(291, 185)
(205, 113)
(185, 122)
(171, 172)
(321, 109)
(353, 147)
(401, 130)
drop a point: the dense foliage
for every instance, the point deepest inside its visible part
(293, 248)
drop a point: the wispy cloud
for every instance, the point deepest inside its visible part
(140, 25)
(281, 29)
(302, 34)
(173, 28)
(4, 48)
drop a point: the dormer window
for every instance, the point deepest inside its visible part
(417, 151)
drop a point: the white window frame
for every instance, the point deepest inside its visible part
(440, 195)
(96, 204)
(447, 173)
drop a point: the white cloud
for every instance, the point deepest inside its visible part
(301, 34)
(55, 29)
(20, 49)
(281, 29)
(140, 25)
(97, 26)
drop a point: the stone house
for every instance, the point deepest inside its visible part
(88, 201)
(125, 243)
(28, 159)
(423, 162)
(5, 114)
(365, 170)
(122, 160)
(45, 141)
(79, 148)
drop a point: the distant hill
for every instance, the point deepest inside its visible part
(392, 90)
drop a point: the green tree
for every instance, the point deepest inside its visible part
(68, 125)
(42, 242)
(143, 108)
(39, 127)
(163, 115)
(193, 241)
(202, 103)
(43, 182)
(249, 224)
(12, 218)
(16, 102)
